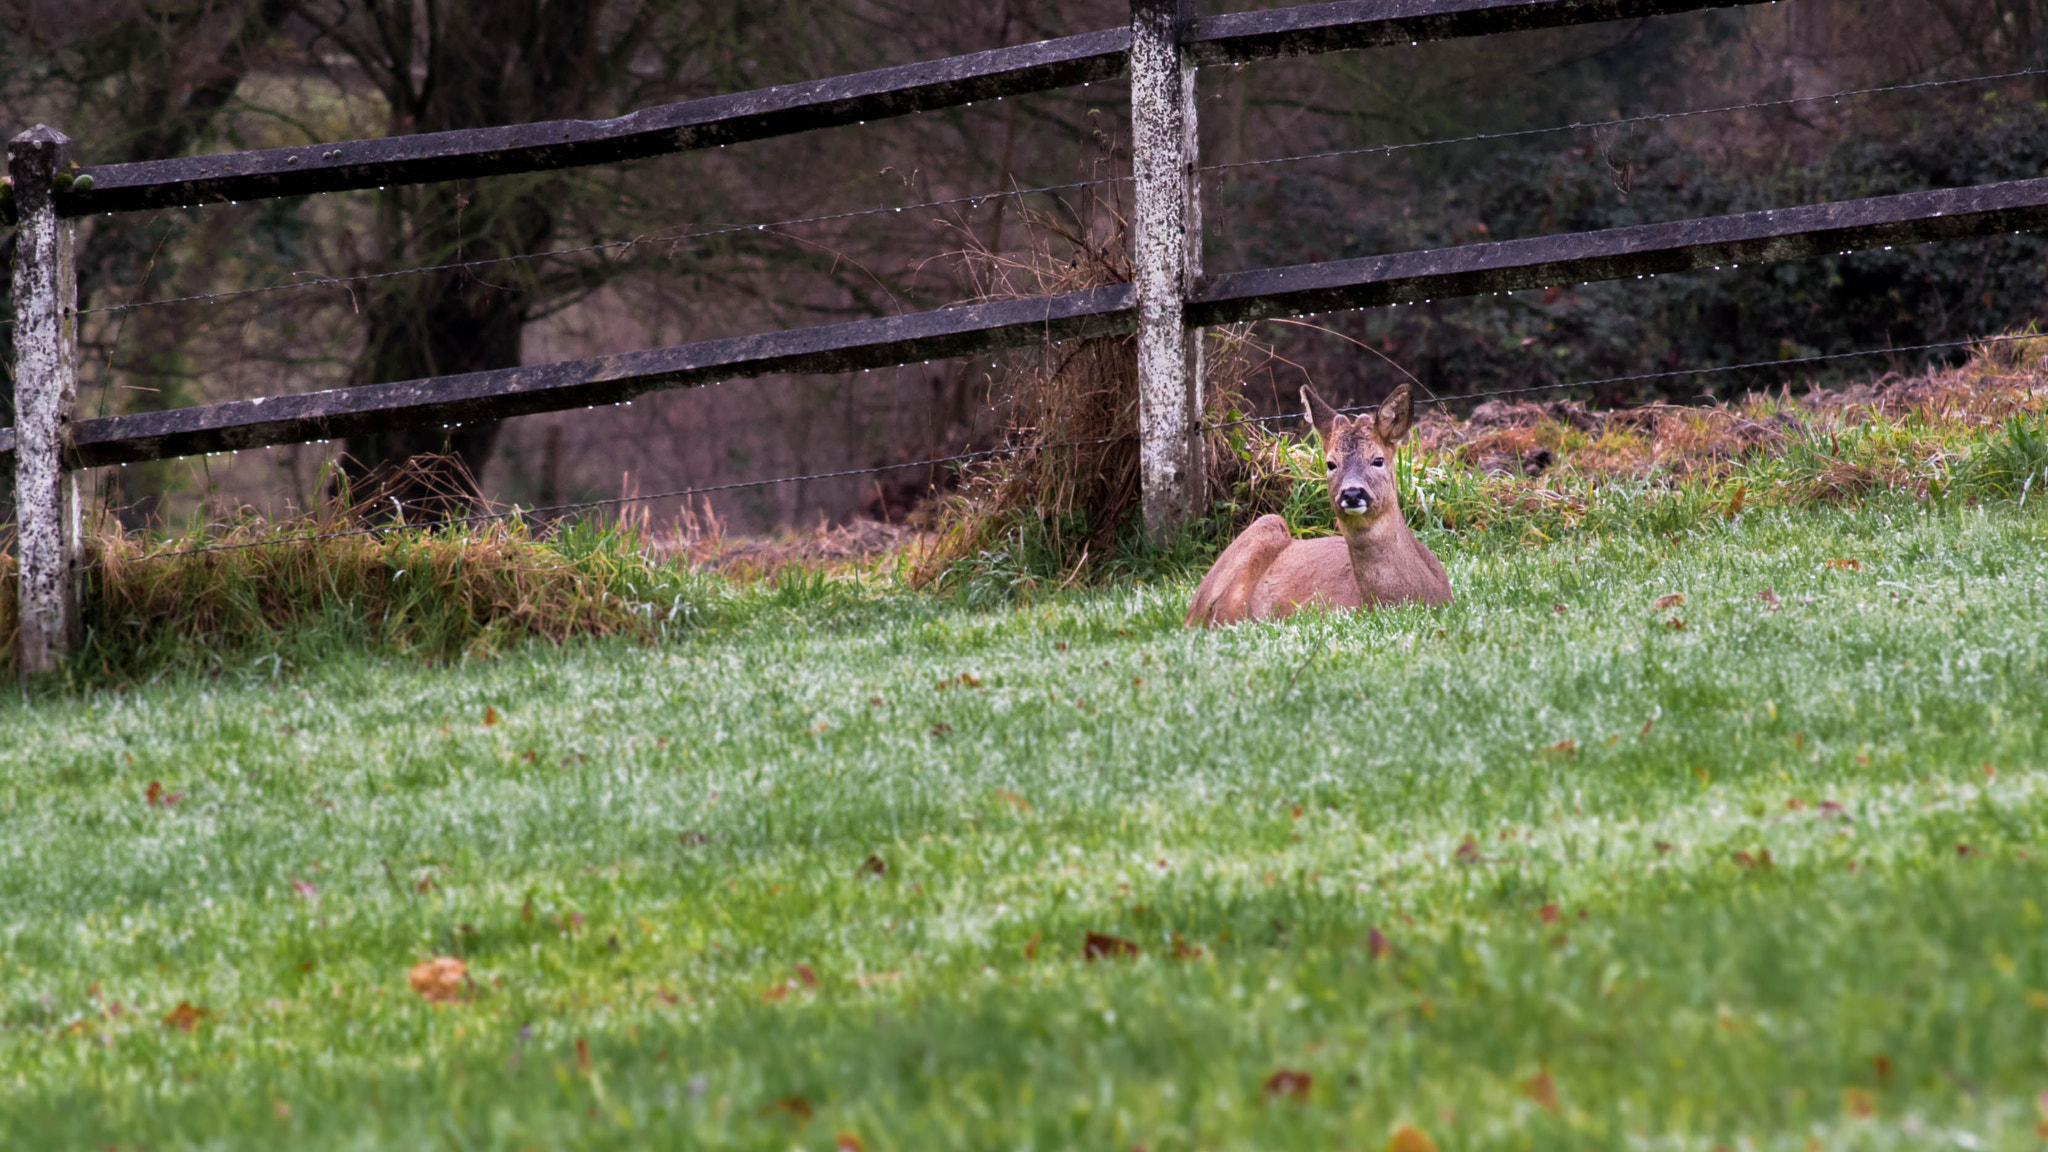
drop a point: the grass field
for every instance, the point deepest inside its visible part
(1542, 869)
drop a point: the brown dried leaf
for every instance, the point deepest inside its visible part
(1013, 800)
(582, 1054)
(185, 1017)
(1675, 624)
(1409, 1138)
(872, 866)
(1101, 947)
(1468, 852)
(807, 976)
(796, 1107)
(1848, 563)
(1289, 1083)
(490, 715)
(847, 1142)
(440, 979)
(1858, 1103)
(1770, 598)
(1182, 950)
(1569, 749)
(1376, 944)
(1542, 1090)
(1547, 913)
(1669, 600)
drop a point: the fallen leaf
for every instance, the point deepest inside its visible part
(1830, 808)
(1569, 749)
(1661, 847)
(872, 866)
(941, 728)
(1468, 852)
(967, 681)
(1013, 800)
(774, 992)
(1858, 1103)
(304, 888)
(847, 1142)
(1557, 608)
(1182, 950)
(1882, 1065)
(1669, 600)
(805, 974)
(1850, 564)
(1675, 624)
(490, 715)
(870, 979)
(1547, 913)
(440, 979)
(582, 1054)
(156, 797)
(2037, 999)
(1031, 947)
(796, 1107)
(1541, 1089)
(1101, 947)
(1795, 804)
(1762, 859)
(1770, 598)
(185, 1017)
(280, 1110)
(1289, 1083)
(1735, 502)
(1376, 944)
(1409, 1138)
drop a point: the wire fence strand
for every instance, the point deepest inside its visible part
(1625, 121)
(652, 239)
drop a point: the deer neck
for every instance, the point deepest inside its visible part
(1377, 549)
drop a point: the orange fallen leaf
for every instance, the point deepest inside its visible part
(185, 1017)
(1541, 1089)
(796, 1107)
(847, 1142)
(774, 992)
(1547, 913)
(1101, 947)
(809, 978)
(1858, 1103)
(1013, 800)
(1031, 947)
(1409, 1138)
(582, 1054)
(1851, 564)
(490, 715)
(439, 979)
(1289, 1083)
(1569, 749)
(156, 797)
(1882, 1065)
(1669, 600)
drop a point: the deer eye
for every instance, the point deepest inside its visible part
(1379, 461)
(1330, 465)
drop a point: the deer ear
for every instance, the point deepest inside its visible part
(1396, 416)
(1320, 415)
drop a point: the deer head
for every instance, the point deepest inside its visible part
(1358, 455)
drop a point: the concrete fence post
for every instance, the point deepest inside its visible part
(45, 388)
(1166, 258)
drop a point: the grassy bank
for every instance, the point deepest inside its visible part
(1552, 867)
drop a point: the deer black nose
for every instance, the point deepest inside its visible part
(1354, 498)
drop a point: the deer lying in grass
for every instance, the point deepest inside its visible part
(1268, 573)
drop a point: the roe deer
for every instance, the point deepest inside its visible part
(1267, 573)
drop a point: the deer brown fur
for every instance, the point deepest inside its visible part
(1267, 573)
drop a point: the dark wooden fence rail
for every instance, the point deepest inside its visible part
(1166, 305)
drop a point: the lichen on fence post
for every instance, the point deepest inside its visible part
(45, 389)
(1166, 257)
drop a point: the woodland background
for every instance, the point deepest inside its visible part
(146, 79)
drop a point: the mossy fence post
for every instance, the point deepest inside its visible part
(1166, 260)
(45, 389)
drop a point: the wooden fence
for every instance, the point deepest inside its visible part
(1166, 305)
